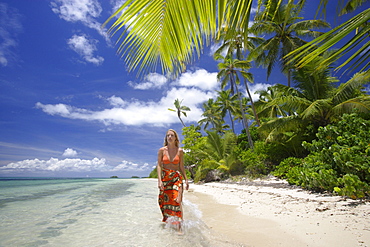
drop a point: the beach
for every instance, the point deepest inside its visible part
(124, 212)
(270, 212)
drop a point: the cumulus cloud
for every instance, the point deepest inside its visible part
(54, 164)
(200, 78)
(152, 81)
(72, 165)
(10, 27)
(85, 48)
(135, 112)
(193, 88)
(69, 152)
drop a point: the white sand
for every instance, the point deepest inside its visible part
(272, 213)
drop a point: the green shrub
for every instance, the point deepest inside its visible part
(153, 173)
(202, 170)
(339, 160)
(253, 161)
(286, 166)
(352, 186)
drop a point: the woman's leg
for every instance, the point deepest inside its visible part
(179, 196)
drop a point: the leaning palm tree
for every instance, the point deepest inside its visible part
(180, 109)
(287, 30)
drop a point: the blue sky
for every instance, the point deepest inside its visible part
(68, 106)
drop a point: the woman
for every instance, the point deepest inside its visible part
(171, 172)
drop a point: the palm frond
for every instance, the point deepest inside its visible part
(165, 32)
(361, 104)
(352, 87)
(316, 109)
(274, 128)
(307, 53)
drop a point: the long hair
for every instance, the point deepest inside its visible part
(177, 141)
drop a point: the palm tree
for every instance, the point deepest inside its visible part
(229, 73)
(180, 109)
(211, 115)
(269, 104)
(248, 113)
(287, 28)
(170, 33)
(354, 33)
(218, 154)
(315, 102)
(227, 105)
(236, 44)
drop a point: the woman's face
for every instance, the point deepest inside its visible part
(171, 137)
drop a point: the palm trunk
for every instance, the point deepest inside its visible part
(250, 141)
(182, 121)
(232, 122)
(252, 103)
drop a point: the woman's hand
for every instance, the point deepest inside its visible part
(160, 185)
(186, 184)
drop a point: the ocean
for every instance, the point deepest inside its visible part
(93, 212)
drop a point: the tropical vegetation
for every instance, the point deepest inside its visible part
(313, 130)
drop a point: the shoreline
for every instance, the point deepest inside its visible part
(273, 213)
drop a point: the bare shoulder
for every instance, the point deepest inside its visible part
(181, 151)
(162, 149)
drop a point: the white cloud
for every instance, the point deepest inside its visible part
(84, 11)
(71, 165)
(152, 81)
(116, 101)
(58, 109)
(201, 78)
(69, 152)
(195, 88)
(254, 87)
(134, 112)
(10, 27)
(54, 165)
(130, 166)
(85, 48)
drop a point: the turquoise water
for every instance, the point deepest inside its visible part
(92, 212)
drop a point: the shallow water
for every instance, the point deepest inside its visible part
(93, 212)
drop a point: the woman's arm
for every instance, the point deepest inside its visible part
(182, 168)
(159, 168)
